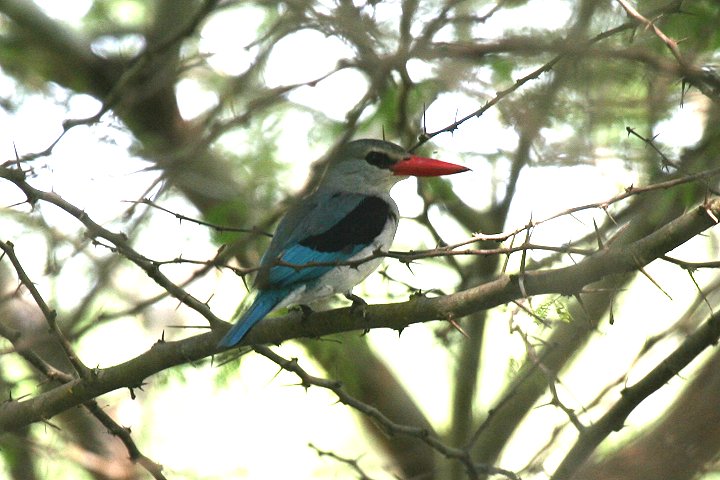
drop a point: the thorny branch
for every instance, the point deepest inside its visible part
(706, 336)
(136, 68)
(669, 42)
(552, 379)
(119, 242)
(500, 291)
(410, 256)
(120, 245)
(533, 75)
(53, 374)
(155, 469)
(474, 470)
(351, 462)
(50, 315)
(452, 250)
(567, 280)
(217, 228)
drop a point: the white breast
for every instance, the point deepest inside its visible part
(343, 278)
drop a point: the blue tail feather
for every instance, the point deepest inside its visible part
(263, 304)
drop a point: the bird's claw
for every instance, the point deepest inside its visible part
(305, 311)
(358, 304)
(358, 307)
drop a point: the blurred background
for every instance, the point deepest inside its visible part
(220, 110)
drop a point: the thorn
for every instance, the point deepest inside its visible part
(700, 291)
(242, 277)
(17, 157)
(597, 235)
(683, 91)
(424, 120)
(407, 264)
(457, 327)
(712, 215)
(207, 302)
(507, 256)
(609, 215)
(644, 272)
(582, 305)
(521, 283)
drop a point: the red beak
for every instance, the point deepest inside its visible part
(426, 167)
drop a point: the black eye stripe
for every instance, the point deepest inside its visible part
(380, 159)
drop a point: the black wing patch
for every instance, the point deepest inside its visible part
(359, 227)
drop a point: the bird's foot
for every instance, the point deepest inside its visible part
(358, 307)
(306, 311)
(358, 304)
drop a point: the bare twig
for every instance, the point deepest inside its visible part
(218, 228)
(55, 375)
(474, 469)
(118, 240)
(50, 315)
(353, 463)
(706, 336)
(153, 468)
(691, 265)
(651, 143)
(552, 379)
(34, 359)
(567, 280)
(669, 42)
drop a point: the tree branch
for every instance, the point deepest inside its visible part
(613, 420)
(568, 280)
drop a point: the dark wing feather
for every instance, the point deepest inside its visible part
(324, 228)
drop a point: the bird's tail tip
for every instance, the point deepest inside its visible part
(264, 303)
(232, 338)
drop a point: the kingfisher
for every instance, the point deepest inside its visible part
(349, 216)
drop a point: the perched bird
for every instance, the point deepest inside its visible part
(349, 216)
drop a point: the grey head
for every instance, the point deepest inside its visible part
(364, 166)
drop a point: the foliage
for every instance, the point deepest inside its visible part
(572, 274)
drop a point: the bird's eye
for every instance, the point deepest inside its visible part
(380, 159)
